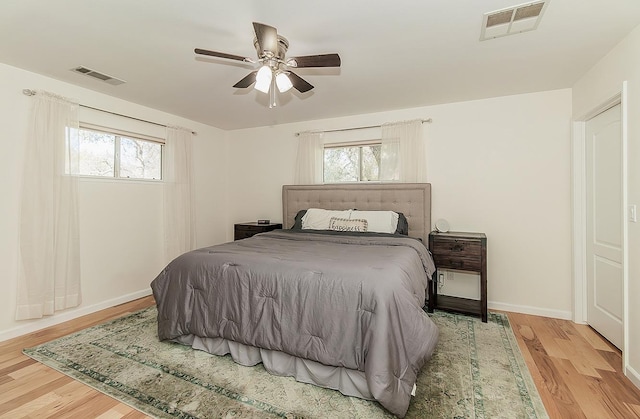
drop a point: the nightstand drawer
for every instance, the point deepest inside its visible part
(246, 230)
(463, 263)
(249, 228)
(447, 247)
(240, 234)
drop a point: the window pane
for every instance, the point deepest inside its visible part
(352, 163)
(341, 164)
(140, 159)
(97, 153)
(370, 162)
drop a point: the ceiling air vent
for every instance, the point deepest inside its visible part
(97, 75)
(516, 19)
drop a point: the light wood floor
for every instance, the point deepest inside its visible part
(577, 372)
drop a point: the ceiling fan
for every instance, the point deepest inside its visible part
(275, 68)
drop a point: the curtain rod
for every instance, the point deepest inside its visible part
(428, 121)
(30, 92)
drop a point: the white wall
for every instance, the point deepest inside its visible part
(499, 166)
(120, 222)
(602, 82)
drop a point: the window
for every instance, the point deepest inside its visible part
(352, 163)
(107, 153)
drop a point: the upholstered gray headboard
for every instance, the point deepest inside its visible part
(411, 199)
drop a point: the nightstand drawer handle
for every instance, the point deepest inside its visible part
(457, 247)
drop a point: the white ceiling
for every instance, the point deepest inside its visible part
(395, 55)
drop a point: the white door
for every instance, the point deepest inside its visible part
(604, 224)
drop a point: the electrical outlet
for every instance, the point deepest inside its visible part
(632, 214)
(440, 280)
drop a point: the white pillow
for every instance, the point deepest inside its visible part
(319, 219)
(378, 221)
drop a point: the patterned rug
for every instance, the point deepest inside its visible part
(477, 371)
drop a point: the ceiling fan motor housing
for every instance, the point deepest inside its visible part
(283, 46)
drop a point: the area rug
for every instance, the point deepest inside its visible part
(477, 371)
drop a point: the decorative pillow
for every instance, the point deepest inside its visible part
(378, 221)
(318, 219)
(346, 224)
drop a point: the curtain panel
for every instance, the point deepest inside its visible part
(178, 193)
(49, 272)
(403, 155)
(310, 158)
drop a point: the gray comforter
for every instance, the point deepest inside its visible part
(353, 302)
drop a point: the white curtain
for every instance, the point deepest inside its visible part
(309, 162)
(49, 224)
(178, 199)
(403, 152)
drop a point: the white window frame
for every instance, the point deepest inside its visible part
(118, 133)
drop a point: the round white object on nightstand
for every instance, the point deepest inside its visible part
(442, 225)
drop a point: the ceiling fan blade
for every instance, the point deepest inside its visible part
(222, 55)
(247, 81)
(299, 83)
(322, 60)
(267, 37)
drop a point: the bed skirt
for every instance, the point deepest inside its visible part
(347, 381)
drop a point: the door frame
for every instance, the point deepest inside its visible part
(579, 214)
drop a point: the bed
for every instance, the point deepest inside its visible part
(341, 310)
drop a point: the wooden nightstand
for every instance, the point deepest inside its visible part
(462, 252)
(245, 230)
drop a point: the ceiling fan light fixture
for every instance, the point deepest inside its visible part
(283, 82)
(263, 79)
(274, 71)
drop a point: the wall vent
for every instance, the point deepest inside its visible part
(97, 75)
(517, 19)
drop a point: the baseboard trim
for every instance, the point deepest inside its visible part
(35, 325)
(632, 375)
(536, 311)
